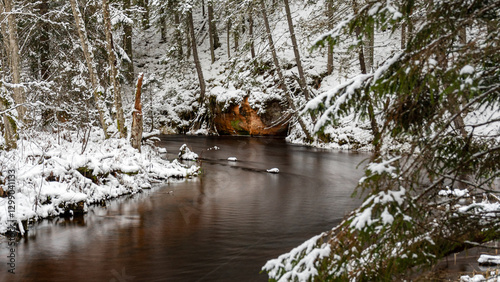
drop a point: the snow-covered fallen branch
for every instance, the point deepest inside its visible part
(53, 177)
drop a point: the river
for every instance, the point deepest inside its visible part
(220, 226)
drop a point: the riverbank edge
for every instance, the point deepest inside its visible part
(61, 180)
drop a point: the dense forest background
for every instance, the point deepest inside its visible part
(415, 82)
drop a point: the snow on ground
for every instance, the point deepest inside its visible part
(480, 278)
(56, 170)
(489, 260)
(186, 154)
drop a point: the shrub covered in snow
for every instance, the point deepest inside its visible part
(57, 172)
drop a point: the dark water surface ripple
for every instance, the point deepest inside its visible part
(221, 226)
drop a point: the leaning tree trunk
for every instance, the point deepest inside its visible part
(15, 60)
(137, 125)
(197, 63)
(228, 35)
(89, 58)
(302, 78)
(120, 120)
(280, 73)
(210, 30)
(329, 14)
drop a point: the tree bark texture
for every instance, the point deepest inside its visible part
(250, 30)
(329, 14)
(120, 120)
(44, 42)
(302, 78)
(210, 30)
(197, 63)
(127, 43)
(137, 124)
(178, 35)
(89, 58)
(18, 93)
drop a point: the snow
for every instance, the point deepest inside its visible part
(273, 170)
(480, 278)
(454, 192)
(467, 70)
(52, 172)
(489, 260)
(186, 154)
(303, 269)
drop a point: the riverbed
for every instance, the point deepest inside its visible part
(220, 226)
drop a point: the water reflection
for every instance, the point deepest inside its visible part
(221, 226)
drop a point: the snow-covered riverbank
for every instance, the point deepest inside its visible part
(64, 172)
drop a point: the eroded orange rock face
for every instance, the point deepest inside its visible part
(243, 120)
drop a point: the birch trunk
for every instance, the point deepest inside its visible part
(280, 73)
(89, 58)
(120, 120)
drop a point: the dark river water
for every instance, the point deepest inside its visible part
(221, 226)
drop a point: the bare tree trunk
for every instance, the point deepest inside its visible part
(94, 79)
(9, 127)
(178, 35)
(369, 45)
(280, 73)
(213, 24)
(137, 125)
(145, 17)
(44, 42)
(228, 27)
(199, 70)
(403, 36)
(188, 42)
(236, 36)
(329, 64)
(163, 23)
(127, 43)
(302, 78)
(361, 55)
(462, 34)
(5, 35)
(15, 60)
(210, 31)
(120, 120)
(250, 30)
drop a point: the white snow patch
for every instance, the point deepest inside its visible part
(467, 70)
(488, 259)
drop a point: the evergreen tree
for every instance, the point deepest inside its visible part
(420, 96)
